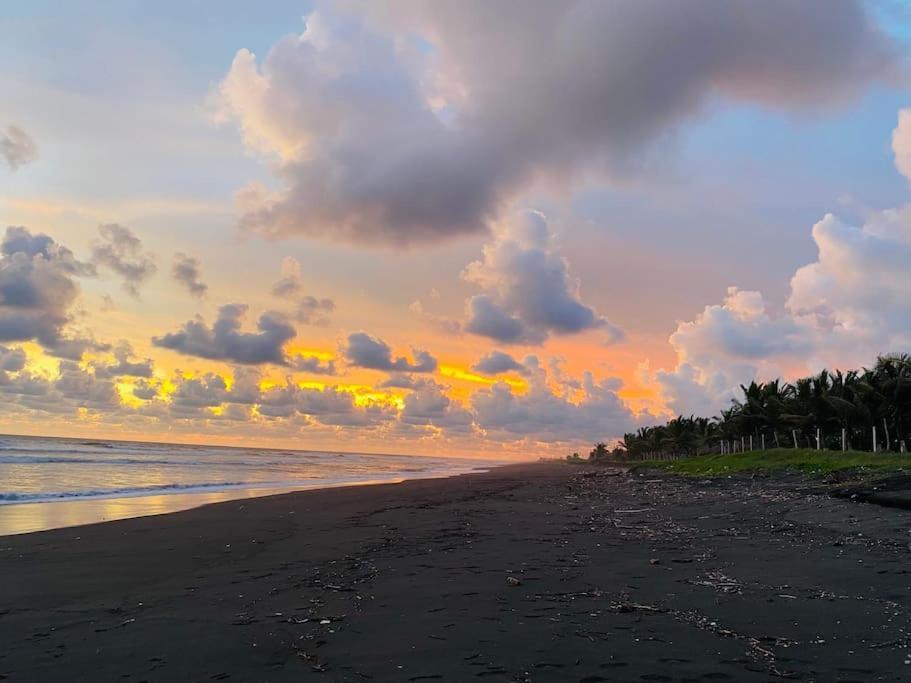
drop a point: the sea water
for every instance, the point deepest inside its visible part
(47, 483)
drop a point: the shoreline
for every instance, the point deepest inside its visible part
(535, 571)
(47, 514)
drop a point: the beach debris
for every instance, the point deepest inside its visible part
(513, 581)
(654, 560)
(719, 581)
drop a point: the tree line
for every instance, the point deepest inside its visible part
(867, 409)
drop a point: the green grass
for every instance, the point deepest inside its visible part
(796, 459)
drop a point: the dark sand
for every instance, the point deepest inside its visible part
(619, 578)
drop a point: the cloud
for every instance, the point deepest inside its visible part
(542, 415)
(401, 381)
(123, 365)
(12, 359)
(529, 293)
(901, 143)
(73, 388)
(848, 306)
(187, 271)
(84, 389)
(429, 406)
(16, 147)
(498, 362)
(369, 352)
(120, 250)
(74, 347)
(313, 364)
(487, 319)
(37, 291)
(412, 122)
(729, 344)
(224, 340)
(445, 325)
(309, 310)
(144, 390)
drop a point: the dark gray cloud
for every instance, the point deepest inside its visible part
(187, 271)
(225, 341)
(124, 364)
(498, 362)
(73, 388)
(84, 389)
(308, 309)
(429, 406)
(37, 291)
(73, 347)
(12, 359)
(17, 147)
(401, 381)
(313, 365)
(120, 250)
(206, 391)
(454, 132)
(364, 351)
(145, 390)
(487, 319)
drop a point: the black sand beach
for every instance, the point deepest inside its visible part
(531, 572)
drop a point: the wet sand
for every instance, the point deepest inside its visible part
(532, 572)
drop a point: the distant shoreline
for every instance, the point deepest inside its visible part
(247, 447)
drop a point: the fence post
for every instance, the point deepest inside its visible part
(794, 436)
(762, 438)
(874, 438)
(844, 445)
(817, 438)
(751, 442)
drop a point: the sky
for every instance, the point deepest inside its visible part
(442, 227)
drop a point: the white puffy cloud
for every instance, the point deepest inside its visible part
(528, 291)
(729, 344)
(860, 282)
(225, 340)
(901, 143)
(17, 147)
(411, 122)
(545, 415)
(845, 308)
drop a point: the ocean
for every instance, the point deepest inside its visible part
(48, 483)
